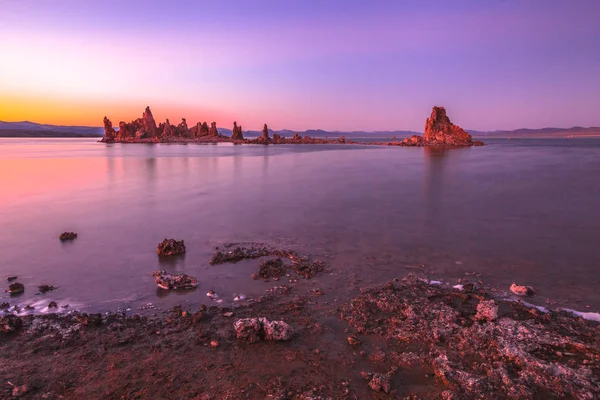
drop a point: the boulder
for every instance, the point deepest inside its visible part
(65, 236)
(170, 247)
(16, 288)
(255, 329)
(167, 281)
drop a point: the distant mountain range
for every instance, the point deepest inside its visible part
(32, 129)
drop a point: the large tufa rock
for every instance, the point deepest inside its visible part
(166, 281)
(182, 128)
(255, 329)
(213, 130)
(265, 133)
(236, 133)
(109, 132)
(487, 310)
(148, 124)
(439, 130)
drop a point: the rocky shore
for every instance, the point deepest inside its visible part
(439, 131)
(409, 338)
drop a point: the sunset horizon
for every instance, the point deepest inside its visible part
(497, 65)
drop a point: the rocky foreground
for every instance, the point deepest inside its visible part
(439, 131)
(405, 339)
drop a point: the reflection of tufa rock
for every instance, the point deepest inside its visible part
(520, 290)
(165, 280)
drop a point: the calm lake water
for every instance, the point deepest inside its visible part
(519, 210)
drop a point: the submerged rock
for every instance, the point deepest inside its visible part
(255, 329)
(11, 278)
(16, 288)
(52, 304)
(170, 247)
(165, 280)
(270, 269)
(67, 236)
(377, 382)
(46, 288)
(520, 290)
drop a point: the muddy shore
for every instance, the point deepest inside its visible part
(408, 338)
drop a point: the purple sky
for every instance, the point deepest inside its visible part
(346, 65)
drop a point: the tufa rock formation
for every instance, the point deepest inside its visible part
(148, 123)
(213, 130)
(265, 133)
(439, 131)
(109, 132)
(236, 133)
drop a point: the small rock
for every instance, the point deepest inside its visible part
(66, 236)
(520, 290)
(46, 288)
(170, 247)
(20, 391)
(378, 382)
(214, 343)
(11, 278)
(487, 311)
(165, 280)
(4, 306)
(16, 288)
(52, 304)
(255, 329)
(228, 314)
(29, 307)
(249, 329)
(353, 341)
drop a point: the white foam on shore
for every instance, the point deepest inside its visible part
(41, 307)
(590, 316)
(432, 282)
(459, 287)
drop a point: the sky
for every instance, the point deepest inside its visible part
(302, 64)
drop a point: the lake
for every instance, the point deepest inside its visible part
(524, 210)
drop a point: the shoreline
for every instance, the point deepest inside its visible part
(409, 336)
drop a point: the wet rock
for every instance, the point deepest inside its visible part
(165, 280)
(271, 269)
(10, 323)
(249, 329)
(277, 330)
(487, 311)
(236, 133)
(46, 288)
(29, 307)
(377, 382)
(170, 247)
(52, 304)
(521, 290)
(4, 306)
(255, 329)
(66, 236)
(16, 288)
(11, 278)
